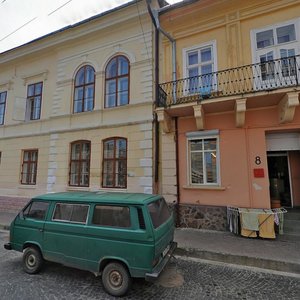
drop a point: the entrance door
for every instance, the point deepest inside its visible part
(278, 169)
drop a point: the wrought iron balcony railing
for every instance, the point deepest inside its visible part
(263, 76)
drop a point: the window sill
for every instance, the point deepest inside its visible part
(27, 186)
(78, 188)
(204, 187)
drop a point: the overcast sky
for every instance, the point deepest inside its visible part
(24, 20)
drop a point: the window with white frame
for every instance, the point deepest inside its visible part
(275, 48)
(199, 66)
(203, 160)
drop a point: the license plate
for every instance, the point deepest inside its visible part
(166, 251)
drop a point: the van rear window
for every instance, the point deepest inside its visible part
(116, 216)
(76, 213)
(159, 212)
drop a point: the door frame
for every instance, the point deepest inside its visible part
(286, 154)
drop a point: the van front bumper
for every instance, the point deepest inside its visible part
(158, 269)
(7, 246)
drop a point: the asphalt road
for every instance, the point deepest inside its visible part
(183, 279)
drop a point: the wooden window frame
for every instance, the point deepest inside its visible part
(117, 78)
(30, 164)
(114, 160)
(79, 162)
(3, 103)
(84, 86)
(32, 99)
(203, 138)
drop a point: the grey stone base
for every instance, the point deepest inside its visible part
(201, 217)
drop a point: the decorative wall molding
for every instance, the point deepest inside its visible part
(240, 112)
(286, 107)
(199, 116)
(40, 75)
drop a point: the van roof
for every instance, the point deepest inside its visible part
(104, 197)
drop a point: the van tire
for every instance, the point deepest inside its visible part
(32, 260)
(116, 279)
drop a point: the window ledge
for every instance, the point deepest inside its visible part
(205, 187)
(27, 186)
(78, 188)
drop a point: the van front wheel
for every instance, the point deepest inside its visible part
(32, 260)
(116, 279)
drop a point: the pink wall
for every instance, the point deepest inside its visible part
(239, 148)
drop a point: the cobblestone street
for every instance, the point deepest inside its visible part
(184, 279)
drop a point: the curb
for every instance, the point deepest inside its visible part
(240, 260)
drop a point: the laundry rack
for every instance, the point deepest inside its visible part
(248, 221)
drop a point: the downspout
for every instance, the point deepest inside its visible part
(155, 19)
(155, 121)
(178, 219)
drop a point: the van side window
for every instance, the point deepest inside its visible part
(116, 216)
(76, 213)
(36, 210)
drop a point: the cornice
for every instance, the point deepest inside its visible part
(67, 34)
(231, 16)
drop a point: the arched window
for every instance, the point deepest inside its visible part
(117, 82)
(84, 89)
(114, 170)
(79, 174)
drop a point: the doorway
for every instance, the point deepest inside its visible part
(279, 177)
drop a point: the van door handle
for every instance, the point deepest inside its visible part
(41, 230)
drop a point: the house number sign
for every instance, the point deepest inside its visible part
(257, 160)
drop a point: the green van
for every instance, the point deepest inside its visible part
(117, 235)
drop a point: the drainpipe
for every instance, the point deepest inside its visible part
(155, 121)
(177, 173)
(155, 20)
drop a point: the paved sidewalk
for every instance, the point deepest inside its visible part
(280, 254)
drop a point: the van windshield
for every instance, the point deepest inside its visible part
(159, 212)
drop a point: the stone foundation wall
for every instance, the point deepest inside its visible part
(202, 217)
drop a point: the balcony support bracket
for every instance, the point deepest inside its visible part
(287, 106)
(165, 120)
(199, 116)
(240, 112)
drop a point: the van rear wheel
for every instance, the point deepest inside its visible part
(32, 260)
(116, 279)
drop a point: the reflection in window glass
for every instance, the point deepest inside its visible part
(203, 161)
(36, 210)
(286, 34)
(76, 213)
(159, 212)
(117, 82)
(80, 163)
(116, 216)
(84, 89)
(114, 171)
(264, 39)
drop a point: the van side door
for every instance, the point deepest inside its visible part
(29, 225)
(65, 234)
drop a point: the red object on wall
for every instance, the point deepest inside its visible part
(259, 173)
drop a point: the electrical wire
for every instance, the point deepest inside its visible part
(17, 29)
(58, 8)
(144, 37)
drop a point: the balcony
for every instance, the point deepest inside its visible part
(264, 76)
